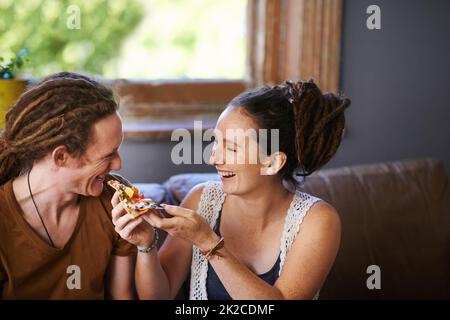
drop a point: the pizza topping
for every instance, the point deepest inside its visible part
(134, 203)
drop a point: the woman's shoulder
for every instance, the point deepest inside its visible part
(324, 210)
(194, 196)
(313, 251)
(315, 213)
(322, 216)
(306, 198)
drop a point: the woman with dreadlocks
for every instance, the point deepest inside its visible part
(56, 237)
(250, 236)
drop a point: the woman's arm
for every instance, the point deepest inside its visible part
(306, 266)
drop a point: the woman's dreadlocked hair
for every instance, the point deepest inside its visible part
(310, 123)
(59, 110)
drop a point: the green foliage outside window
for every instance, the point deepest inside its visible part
(149, 39)
(41, 27)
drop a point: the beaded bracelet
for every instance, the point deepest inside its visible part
(219, 245)
(153, 245)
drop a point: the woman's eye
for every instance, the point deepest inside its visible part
(231, 149)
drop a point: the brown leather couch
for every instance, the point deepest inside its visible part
(394, 215)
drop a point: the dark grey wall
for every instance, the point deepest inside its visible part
(399, 81)
(397, 77)
(150, 161)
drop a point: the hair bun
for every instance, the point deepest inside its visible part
(295, 89)
(319, 121)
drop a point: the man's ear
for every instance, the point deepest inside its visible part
(60, 156)
(273, 163)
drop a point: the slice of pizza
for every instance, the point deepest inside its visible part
(133, 202)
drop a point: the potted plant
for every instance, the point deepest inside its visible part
(11, 86)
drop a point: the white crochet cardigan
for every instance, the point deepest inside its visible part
(210, 205)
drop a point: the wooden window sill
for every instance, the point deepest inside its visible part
(152, 129)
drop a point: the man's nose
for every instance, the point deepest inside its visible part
(116, 163)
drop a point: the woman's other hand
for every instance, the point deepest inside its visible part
(185, 224)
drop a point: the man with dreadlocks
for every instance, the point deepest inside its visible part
(57, 240)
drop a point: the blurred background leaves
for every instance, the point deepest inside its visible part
(128, 39)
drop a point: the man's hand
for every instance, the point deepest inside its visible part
(135, 231)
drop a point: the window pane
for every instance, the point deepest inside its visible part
(149, 39)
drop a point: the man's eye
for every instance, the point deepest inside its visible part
(110, 156)
(231, 149)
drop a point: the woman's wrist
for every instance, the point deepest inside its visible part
(209, 242)
(214, 251)
(212, 246)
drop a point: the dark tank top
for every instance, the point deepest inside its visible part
(215, 288)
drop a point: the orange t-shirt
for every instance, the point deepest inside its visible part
(32, 269)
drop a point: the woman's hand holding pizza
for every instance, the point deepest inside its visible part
(185, 224)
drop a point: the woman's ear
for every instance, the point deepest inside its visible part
(60, 156)
(273, 163)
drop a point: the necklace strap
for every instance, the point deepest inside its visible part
(37, 210)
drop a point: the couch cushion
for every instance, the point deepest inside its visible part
(394, 215)
(179, 185)
(154, 191)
